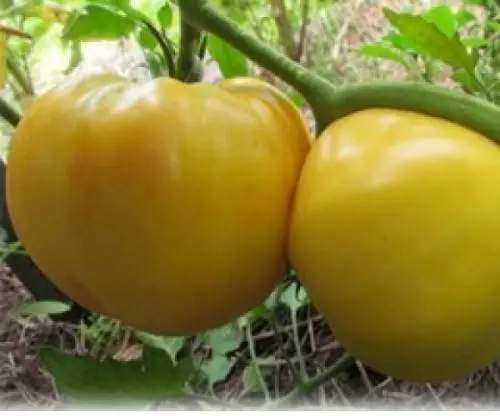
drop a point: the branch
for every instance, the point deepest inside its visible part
(21, 78)
(12, 31)
(303, 29)
(200, 14)
(339, 366)
(188, 52)
(166, 47)
(285, 28)
(8, 113)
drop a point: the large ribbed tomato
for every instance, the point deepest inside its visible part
(163, 204)
(395, 236)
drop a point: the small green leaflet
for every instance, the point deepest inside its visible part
(379, 50)
(166, 15)
(42, 307)
(231, 62)
(224, 339)
(443, 18)
(172, 345)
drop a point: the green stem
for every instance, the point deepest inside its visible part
(188, 52)
(18, 75)
(253, 356)
(329, 103)
(298, 347)
(8, 113)
(339, 366)
(200, 14)
(166, 47)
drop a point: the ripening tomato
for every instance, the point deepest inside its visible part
(163, 204)
(395, 236)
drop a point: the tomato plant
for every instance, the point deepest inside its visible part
(392, 210)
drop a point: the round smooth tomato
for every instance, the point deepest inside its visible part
(165, 205)
(395, 236)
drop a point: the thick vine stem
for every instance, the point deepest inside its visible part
(8, 113)
(188, 52)
(329, 103)
(201, 15)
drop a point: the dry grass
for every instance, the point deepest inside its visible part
(24, 383)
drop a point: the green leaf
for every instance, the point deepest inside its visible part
(156, 62)
(217, 369)
(297, 98)
(83, 379)
(402, 43)
(224, 339)
(42, 307)
(379, 50)
(469, 83)
(463, 17)
(231, 62)
(443, 18)
(475, 42)
(294, 297)
(171, 345)
(431, 40)
(166, 15)
(494, 25)
(97, 22)
(146, 39)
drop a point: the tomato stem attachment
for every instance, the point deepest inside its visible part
(187, 60)
(329, 103)
(205, 17)
(8, 113)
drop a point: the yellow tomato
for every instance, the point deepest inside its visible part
(395, 236)
(165, 205)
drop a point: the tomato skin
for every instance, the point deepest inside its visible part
(394, 235)
(164, 205)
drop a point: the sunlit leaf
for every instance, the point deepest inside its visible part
(97, 22)
(443, 17)
(379, 50)
(430, 39)
(231, 62)
(463, 17)
(166, 15)
(475, 42)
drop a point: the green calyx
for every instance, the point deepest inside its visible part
(329, 103)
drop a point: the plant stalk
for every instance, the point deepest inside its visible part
(166, 47)
(8, 113)
(190, 43)
(329, 103)
(16, 72)
(201, 15)
(339, 366)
